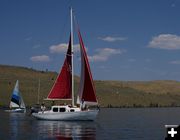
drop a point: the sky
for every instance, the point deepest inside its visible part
(125, 39)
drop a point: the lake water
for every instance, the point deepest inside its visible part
(111, 124)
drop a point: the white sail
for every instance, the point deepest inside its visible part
(22, 105)
(13, 105)
(15, 96)
(17, 103)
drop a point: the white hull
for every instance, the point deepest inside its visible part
(17, 110)
(87, 115)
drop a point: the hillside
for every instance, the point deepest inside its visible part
(109, 93)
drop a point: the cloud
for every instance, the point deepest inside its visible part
(177, 62)
(104, 54)
(40, 58)
(165, 41)
(62, 48)
(173, 5)
(101, 55)
(28, 38)
(112, 39)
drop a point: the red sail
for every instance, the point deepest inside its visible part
(63, 85)
(87, 89)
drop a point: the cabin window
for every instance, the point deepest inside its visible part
(55, 109)
(62, 109)
(72, 110)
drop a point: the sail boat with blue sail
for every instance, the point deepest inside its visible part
(63, 88)
(16, 103)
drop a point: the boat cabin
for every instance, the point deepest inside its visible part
(64, 108)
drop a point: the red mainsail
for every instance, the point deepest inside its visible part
(62, 88)
(87, 89)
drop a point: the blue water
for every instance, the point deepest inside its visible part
(111, 124)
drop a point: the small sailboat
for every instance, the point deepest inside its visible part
(63, 89)
(16, 103)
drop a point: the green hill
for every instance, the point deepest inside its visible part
(109, 93)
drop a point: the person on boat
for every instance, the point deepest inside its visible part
(69, 105)
(43, 107)
(98, 107)
(32, 110)
(83, 106)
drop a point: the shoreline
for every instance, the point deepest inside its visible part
(120, 107)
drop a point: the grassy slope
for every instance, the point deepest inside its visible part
(110, 93)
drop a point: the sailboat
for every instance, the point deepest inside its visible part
(63, 89)
(16, 103)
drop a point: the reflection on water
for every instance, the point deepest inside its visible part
(66, 130)
(16, 126)
(15, 122)
(113, 124)
(13, 125)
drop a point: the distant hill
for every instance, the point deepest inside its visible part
(109, 93)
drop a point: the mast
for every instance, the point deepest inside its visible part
(72, 69)
(38, 91)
